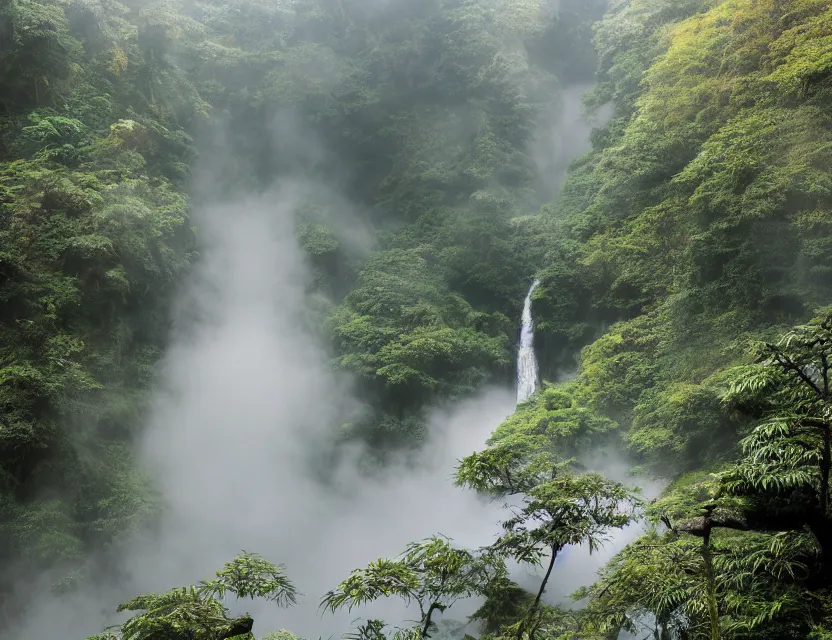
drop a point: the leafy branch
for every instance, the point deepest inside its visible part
(195, 612)
(432, 574)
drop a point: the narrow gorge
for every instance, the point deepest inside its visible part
(415, 319)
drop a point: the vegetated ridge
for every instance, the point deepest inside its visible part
(684, 266)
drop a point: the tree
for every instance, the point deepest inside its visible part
(196, 612)
(558, 508)
(784, 474)
(703, 578)
(432, 574)
(747, 548)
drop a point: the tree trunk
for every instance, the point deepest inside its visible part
(821, 527)
(426, 627)
(710, 581)
(545, 579)
(536, 604)
(824, 471)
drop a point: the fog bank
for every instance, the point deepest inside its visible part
(247, 411)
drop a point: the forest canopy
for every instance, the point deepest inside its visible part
(682, 319)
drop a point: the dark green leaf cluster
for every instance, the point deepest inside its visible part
(93, 237)
(745, 550)
(434, 107)
(431, 574)
(197, 613)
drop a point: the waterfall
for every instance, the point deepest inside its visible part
(526, 360)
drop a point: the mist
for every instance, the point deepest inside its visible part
(563, 137)
(247, 413)
(250, 410)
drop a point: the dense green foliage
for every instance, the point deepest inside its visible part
(433, 104)
(196, 612)
(93, 236)
(680, 264)
(432, 574)
(695, 229)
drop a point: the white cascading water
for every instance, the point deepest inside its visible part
(526, 360)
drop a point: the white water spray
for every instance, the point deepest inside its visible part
(526, 361)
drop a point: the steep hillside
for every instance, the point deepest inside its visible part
(93, 238)
(697, 223)
(692, 236)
